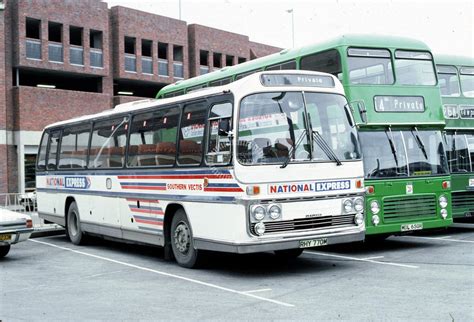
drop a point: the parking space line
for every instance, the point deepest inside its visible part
(165, 274)
(374, 257)
(360, 259)
(440, 238)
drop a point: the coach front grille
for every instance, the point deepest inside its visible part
(306, 223)
(407, 207)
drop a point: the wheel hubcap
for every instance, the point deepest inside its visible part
(182, 238)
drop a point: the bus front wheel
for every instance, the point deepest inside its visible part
(74, 231)
(182, 242)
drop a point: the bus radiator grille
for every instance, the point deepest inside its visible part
(306, 223)
(463, 202)
(408, 207)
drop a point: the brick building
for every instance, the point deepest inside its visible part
(64, 58)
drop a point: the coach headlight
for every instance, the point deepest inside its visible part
(374, 207)
(359, 219)
(443, 201)
(347, 205)
(359, 204)
(444, 213)
(258, 212)
(260, 228)
(274, 211)
(375, 220)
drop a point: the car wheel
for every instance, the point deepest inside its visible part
(4, 250)
(182, 242)
(74, 231)
(289, 253)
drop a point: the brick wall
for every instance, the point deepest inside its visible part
(214, 41)
(258, 50)
(37, 107)
(142, 25)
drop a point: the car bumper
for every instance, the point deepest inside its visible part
(16, 235)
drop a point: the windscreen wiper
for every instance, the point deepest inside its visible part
(419, 142)
(293, 149)
(325, 147)
(392, 145)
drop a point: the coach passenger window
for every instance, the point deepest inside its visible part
(41, 160)
(53, 150)
(108, 143)
(288, 65)
(73, 151)
(219, 144)
(153, 138)
(191, 134)
(327, 62)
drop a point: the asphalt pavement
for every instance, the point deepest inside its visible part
(423, 277)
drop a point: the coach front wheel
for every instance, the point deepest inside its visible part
(182, 242)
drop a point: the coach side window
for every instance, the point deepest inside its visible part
(153, 138)
(41, 160)
(219, 142)
(326, 62)
(108, 142)
(191, 134)
(74, 143)
(53, 150)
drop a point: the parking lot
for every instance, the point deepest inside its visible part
(422, 277)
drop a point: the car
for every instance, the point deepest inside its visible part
(14, 228)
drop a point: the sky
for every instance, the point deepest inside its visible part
(446, 26)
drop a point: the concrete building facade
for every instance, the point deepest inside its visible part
(65, 58)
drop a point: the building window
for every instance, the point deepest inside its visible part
(130, 57)
(76, 49)
(55, 46)
(178, 59)
(217, 60)
(162, 59)
(241, 60)
(95, 43)
(147, 61)
(229, 60)
(33, 28)
(203, 62)
(33, 35)
(30, 172)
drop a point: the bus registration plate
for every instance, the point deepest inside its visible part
(5, 237)
(313, 242)
(410, 227)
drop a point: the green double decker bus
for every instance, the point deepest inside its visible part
(456, 82)
(392, 85)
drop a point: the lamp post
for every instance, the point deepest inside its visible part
(179, 9)
(292, 26)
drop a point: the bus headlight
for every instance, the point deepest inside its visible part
(274, 211)
(375, 220)
(374, 207)
(260, 228)
(359, 204)
(347, 204)
(444, 213)
(443, 201)
(258, 212)
(359, 219)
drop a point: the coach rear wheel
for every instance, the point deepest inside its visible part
(74, 231)
(182, 242)
(4, 249)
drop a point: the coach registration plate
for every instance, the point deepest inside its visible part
(410, 227)
(5, 237)
(313, 242)
(471, 182)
